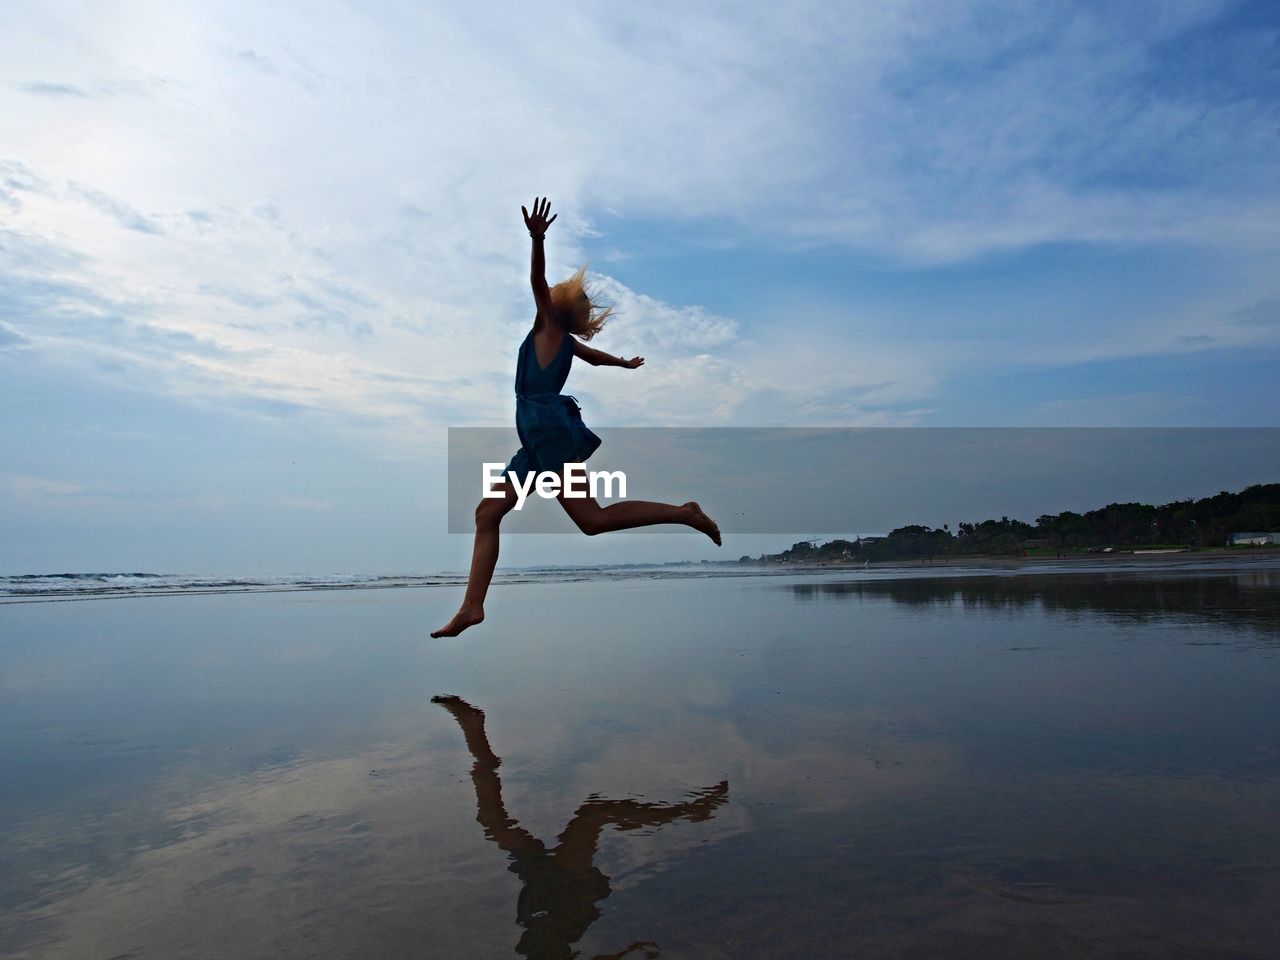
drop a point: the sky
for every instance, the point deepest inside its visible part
(255, 259)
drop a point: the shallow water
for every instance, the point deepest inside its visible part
(1056, 765)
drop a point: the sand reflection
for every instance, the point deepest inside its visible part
(562, 885)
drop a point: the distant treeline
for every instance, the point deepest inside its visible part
(1191, 523)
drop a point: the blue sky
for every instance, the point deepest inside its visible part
(255, 259)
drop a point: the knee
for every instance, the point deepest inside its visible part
(489, 513)
(591, 524)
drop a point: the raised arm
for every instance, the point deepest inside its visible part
(537, 225)
(598, 358)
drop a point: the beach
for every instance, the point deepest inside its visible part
(1046, 762)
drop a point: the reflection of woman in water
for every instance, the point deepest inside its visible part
(561, 886)
(550, 425)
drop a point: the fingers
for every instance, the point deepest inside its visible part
(541, 207)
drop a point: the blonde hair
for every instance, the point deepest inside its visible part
(577, 312)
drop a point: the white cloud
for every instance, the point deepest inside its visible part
(32, 487)
(314, 506)
(1129, 409)
(317, 207)
(11, 338)
(661, 324)
(238, 305)
(931, 130)
(41, 89)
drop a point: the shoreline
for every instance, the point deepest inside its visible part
(1171, 557)
(997, 565)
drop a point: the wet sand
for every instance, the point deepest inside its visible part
(1048, 765)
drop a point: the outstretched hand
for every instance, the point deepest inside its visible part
(633, 363)
(538, 223)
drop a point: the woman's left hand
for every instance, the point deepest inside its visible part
(633, 363)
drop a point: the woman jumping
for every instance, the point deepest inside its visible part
(550, 425)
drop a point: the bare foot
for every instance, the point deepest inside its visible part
(700, 521)
(465, 617)
(456, 705)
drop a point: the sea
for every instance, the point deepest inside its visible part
(1050, 760)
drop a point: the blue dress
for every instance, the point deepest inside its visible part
(549, 424)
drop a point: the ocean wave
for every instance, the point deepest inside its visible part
(69, 586)
(34, 588)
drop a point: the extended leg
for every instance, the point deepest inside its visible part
(484, 557)
(591, 518)
(491, 813)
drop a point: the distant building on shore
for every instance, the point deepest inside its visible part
(1253, 539)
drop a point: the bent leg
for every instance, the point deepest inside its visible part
(591, 518)
(578, 841)
(484, 558)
